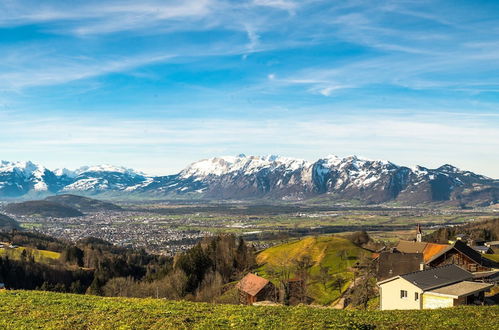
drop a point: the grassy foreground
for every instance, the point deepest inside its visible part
(34, 309)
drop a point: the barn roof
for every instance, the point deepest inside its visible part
(252, 284)
(392, 264)
(427, 249)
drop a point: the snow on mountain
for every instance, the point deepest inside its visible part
(240, 177)
(107, 168)
(65, 172)
(22, 176)
(243, 164)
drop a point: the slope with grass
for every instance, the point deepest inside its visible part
(33, 309)
(335, 254)
(42, 256)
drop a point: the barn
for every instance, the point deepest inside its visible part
(253, 288)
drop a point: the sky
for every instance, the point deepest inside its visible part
(155, 85)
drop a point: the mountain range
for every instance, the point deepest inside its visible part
(253, 177)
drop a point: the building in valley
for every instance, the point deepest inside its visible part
(439, 287)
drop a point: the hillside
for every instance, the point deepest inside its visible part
(41, 256)
(33, 309)
(83, 204)
(333, 254)
(42, 208)
(7, 223)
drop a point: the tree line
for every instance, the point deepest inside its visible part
(97, 267)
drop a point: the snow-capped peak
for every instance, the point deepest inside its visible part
(28, 172)
(65, 171)
(218, 166)
(106, 168)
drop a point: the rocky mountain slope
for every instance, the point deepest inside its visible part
(250, 177)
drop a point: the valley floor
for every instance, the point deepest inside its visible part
(34, 309)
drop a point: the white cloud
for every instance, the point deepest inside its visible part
(465, 141)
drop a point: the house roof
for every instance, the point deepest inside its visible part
(252, 284)
(475, 256)
(461, 289)
(427, 249)
(492, 275)
(391, 264)
(437, 277)
(411, 246)
(481, 248)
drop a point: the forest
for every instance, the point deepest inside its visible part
(96, 267)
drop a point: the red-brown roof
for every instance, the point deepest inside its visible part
(429, 250)
(252, 284)
(433, 249)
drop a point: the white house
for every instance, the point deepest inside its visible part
(439, 287)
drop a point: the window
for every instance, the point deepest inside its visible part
(403, 294)
(416, 296)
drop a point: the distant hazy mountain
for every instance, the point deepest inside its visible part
(83, 204)
(42, 208)
(249, 177)
(7, 223)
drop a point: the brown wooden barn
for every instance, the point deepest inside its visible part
(253, 288)
(464, 256)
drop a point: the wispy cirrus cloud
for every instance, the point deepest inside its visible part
(205, 76)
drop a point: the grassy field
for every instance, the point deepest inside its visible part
(33, 309)
(335, 253)
(42, 256)
(494, 257)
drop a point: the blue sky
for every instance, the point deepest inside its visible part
(155, 85)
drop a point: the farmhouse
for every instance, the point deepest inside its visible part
(464, 256)
(439, 287)
(253, 288)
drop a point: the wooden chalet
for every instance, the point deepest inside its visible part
(464, 256)
(253, 288)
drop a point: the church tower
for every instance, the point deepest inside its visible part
(419, 234)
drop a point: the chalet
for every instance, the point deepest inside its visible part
(391, 264)
(439, 287)
(253, 288)
(464, 256)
